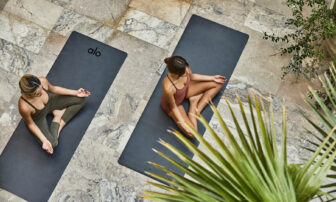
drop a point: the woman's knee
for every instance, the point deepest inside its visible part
(79, 101)
(214, 84)
(82, 101)
(219, 85)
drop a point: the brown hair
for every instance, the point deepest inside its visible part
(176, 64)
(29, 84)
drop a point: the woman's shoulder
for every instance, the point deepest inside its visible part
(188, 70)
(44, 82)
(24, 108)
(168, 86)
(43, 79)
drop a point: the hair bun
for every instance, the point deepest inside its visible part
(166, 60)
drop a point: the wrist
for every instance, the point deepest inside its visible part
(75, 93)
(45, 140)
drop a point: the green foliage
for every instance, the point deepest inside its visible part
(249, 167)
(322, 94)
(327, 116)
(306, 41)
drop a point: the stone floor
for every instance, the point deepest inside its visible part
(32, 34)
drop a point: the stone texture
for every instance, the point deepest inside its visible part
(147, 28)
(172, 11)
(105, 11)
(295, 89)
(21, 32)
(53, 45)
(40, 66)
(72, 21)
(260, 63)
(94, 175)
(15, 59)
(3, 4)
(9, 114)
(275, 5)
(229, 12)
(265, 20)
(6, 196)
(130, 91)
(63, 3)
(40, 12)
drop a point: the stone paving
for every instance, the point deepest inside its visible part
(32, 33)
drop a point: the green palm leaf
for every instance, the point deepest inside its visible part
(327, 117)
(243, 168)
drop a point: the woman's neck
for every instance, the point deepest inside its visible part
(173, 76)
(27, 97)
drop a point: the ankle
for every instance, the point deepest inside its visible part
(57, 119)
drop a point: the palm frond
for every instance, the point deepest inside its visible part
(327, 117)
(243, 168)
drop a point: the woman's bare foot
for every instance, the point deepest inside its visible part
(58, 118)
(58, 114)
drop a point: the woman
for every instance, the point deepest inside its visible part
(40, 98)
(179, 84)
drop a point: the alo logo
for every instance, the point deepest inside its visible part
(94, 52)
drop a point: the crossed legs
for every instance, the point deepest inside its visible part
(66, 108)
(200, 93)
(58, 118)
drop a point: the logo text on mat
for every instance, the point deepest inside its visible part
(94, 51)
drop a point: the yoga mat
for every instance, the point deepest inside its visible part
(25, 169)
(210, 49)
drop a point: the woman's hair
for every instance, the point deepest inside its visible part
(176, 65)
(29, 84)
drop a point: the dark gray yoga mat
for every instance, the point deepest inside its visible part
(25, 169)
(210, 49)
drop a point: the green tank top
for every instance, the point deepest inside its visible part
(39, 112)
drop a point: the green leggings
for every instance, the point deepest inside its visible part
(72, 104)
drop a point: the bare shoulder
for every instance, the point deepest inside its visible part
(24, 108)
(43, 79)
(188, 70)
(167, 86)
(44, 82)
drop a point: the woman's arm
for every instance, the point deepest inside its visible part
(63, 91)
(169, 93)
(57, 89)
(25, 113)
(201, 77)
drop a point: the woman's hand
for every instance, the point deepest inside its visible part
(82, 93)
(219, 79)
(47, 146)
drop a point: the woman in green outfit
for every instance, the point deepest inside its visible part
(40, 98)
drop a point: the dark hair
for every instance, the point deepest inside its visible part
(176, 65)
(29, 83)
